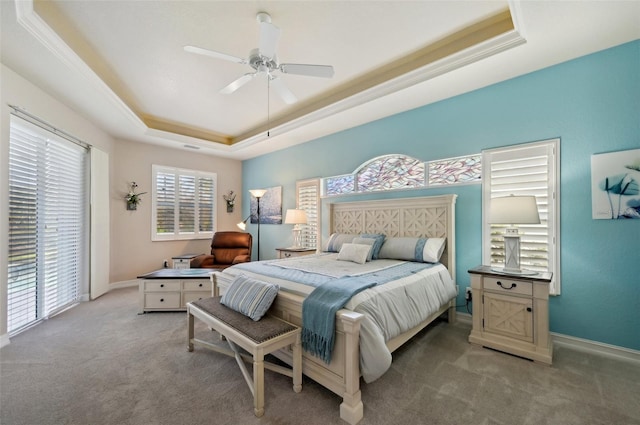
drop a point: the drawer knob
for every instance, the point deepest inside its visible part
(162, 285)
(287, 254)
(161, 300)
(529, 309)
(513, 285)
(200, 285)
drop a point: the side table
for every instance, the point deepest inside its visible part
(172, 289)
(511, 313)
(183, 261)
(294, 252)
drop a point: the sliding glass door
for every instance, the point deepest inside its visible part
(47, 223)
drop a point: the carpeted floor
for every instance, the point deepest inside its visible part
(102, 363)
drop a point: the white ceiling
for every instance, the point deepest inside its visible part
(122, 63)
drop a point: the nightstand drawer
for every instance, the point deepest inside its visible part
(162, 285)
(507, 285)
(161, 300)
(195, 285)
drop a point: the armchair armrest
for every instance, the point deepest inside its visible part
(241, 259)
(202, 261)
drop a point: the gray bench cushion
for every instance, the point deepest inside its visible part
(258, 331)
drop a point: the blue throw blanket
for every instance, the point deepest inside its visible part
(319, 313)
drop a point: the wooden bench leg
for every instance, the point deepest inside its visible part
(297, 365)
(190, 333)
(258, 384)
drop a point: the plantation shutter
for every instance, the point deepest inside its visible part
(205, 204)
(528, 169)
(165, 202)
(308, 199)
(47, 218)
(187, 207)
(183, 204)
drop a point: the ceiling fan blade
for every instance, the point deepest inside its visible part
(324, 71)
(269, 36)
(235, 85)
(214, 54)
(282, 90)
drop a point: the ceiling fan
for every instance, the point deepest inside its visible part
(265, 62)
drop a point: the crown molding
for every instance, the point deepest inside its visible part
(450, 63)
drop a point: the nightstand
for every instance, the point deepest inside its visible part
(183, 261)
(511, 313)
(294, 252)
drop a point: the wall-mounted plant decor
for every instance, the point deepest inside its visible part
(230, 199)
(133, 198)
(615, 185)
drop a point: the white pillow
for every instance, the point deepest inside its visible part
(356, 253)
(366, 241)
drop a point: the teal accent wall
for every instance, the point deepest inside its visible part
(591, 103)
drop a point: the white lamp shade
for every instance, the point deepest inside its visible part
(258, 193)
(514, 210)
(295, 217)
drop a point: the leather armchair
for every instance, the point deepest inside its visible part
(227, 249)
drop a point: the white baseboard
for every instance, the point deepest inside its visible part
(594, 347)
(123, 284)
(578, 344)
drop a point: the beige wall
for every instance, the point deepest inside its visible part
(132, 251)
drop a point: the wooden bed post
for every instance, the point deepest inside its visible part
(351, 409)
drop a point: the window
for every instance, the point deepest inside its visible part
(47, 218)
(528, 169)
(400, 172)
(308, 199)
(183, 204)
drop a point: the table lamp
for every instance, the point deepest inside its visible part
(296, 217)
(511, 210)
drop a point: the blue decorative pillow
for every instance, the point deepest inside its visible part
(379, 238)
(250, 297)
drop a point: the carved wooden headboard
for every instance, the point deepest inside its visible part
(431, 216)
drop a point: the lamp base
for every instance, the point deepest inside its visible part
(521, 272)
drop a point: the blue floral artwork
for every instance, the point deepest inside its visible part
(615, 183)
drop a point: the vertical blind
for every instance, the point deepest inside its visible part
(527, 169)
(183, 204)
(47, 218)
(308, 194)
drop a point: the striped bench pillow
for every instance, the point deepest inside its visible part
(250, 297)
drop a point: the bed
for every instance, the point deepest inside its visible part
(419, 217)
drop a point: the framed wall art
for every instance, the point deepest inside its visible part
(270, 207)
(615, 185)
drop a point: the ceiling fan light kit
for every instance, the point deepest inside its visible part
(264, 61)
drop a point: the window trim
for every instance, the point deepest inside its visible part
(155, 169)
(553, 190)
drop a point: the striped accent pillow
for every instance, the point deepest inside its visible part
(250, 297)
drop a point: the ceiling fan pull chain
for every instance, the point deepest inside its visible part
(268, 104)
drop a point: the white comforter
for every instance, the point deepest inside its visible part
(389, 309)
